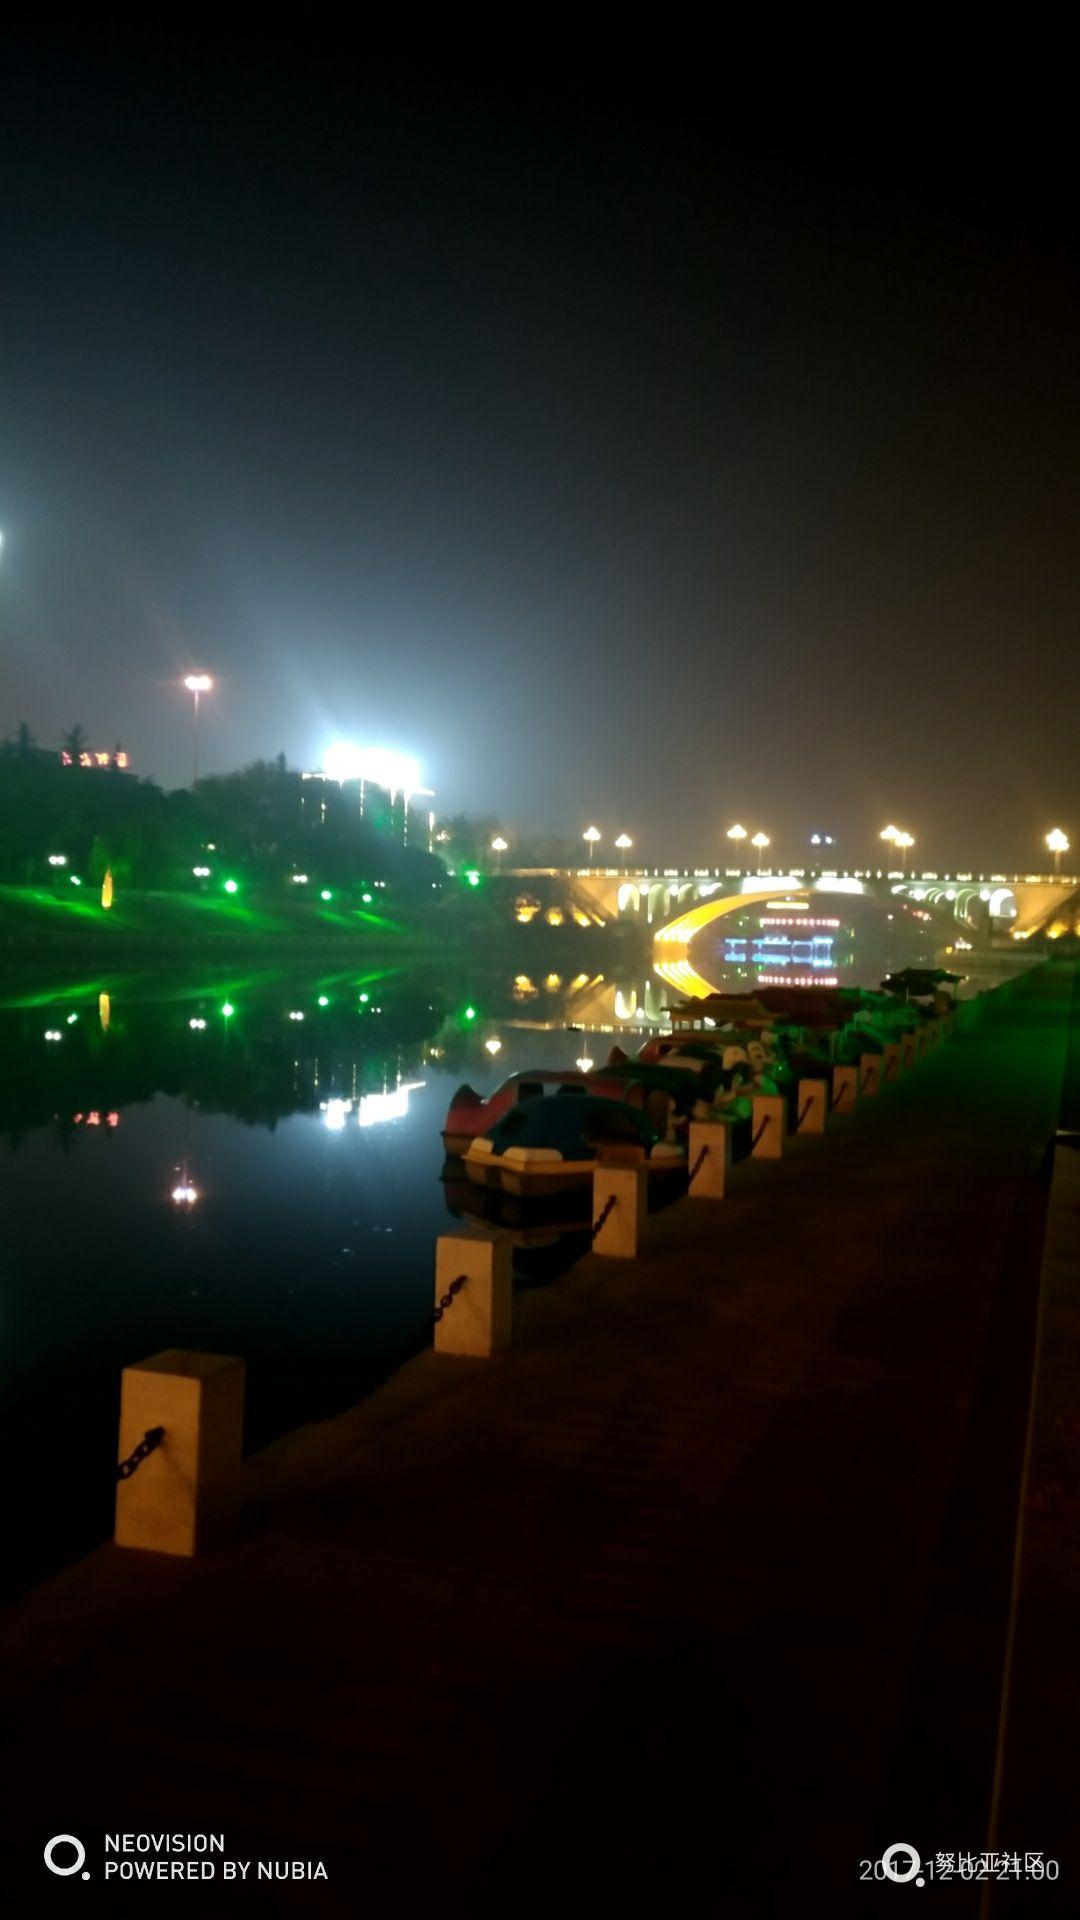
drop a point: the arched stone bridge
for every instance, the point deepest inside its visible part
(1016, 905)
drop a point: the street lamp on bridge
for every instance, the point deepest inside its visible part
(899, 839)
(736, 833)
(760, 841)
(1058, 843)
(498, 848)
(592, 835)
(624, 844)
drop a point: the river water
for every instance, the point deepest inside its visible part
(246, 1164)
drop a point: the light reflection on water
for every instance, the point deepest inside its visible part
(189, 1165)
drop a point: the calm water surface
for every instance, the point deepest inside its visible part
(312, 1144)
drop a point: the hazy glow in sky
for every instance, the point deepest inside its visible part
(615, 451)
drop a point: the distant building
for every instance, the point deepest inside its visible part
(402, 815)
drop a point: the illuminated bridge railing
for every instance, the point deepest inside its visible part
(793, 873)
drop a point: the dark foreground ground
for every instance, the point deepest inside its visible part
(696, 1600)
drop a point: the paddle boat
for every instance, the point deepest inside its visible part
(552, 1144)
(471, 1113)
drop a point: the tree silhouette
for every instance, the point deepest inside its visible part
(74, 742)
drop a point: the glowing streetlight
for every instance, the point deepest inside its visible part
(592, 835)
(584, 1063)
(184, 1195)
(196, 683)
(624, 844)
(1058, 843)
(498, 848)
(493, 1046)
(888, 833)
(903, 841)
(736, 833)
(760, 841)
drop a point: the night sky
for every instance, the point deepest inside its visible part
(657, 441)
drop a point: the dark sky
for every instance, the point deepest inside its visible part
(657, 440)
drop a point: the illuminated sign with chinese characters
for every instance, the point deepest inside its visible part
(117, 758)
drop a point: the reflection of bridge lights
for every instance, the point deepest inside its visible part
(493, 1046)
(185, 1195)
(335, 1113)
(585, 1063)
(375, 1108)
(197, 1026)
(797, 979)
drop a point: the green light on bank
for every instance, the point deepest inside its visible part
(75, 881)
(473, 877)
(326, 894)
(231, 886)
(364, 998)
(228, 1010)
(470, 1013)
(366, 898)
(323, 1000)
(71, 1019)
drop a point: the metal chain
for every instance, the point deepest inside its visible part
(448, 1298)
(697, 1166)
(150, 1440)
(609, 1203)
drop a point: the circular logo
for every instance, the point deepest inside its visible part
(903, 1868)
(65, 1840)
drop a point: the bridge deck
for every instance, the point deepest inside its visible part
(702, 1586)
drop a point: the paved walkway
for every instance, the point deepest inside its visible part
(696, 1597)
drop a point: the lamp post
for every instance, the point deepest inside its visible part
(592, 835)
(737, 834)
(196, 683)
(624, 844)
(760, 841)
(498, 848)
(898, 838)
(1058, 843)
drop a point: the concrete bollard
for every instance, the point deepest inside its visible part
(907, 1051)
(185, 1496)
(713, 1139)
(870, 1074)
(845, 1089)
(769, 1126)
(621, 1200)
(812, 1106)
(890, 1063)
(479, 1318)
